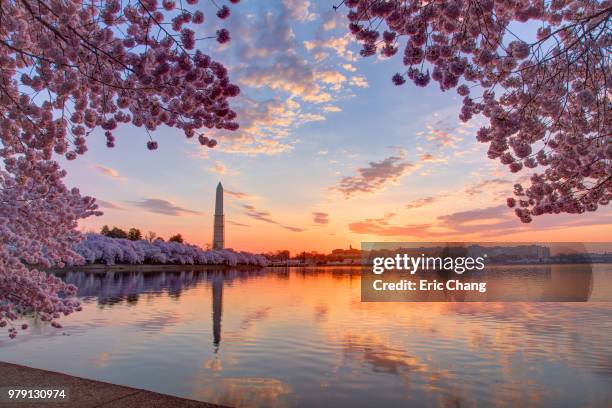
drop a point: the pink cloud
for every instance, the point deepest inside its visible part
(421, 202)
(266, 216)
(107, 205)
(238, 194)
(108, 171)
(320, 218)
(479, 187)
(383, 227)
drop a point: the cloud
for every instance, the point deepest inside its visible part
(421, 202)
(108, 171)
(269, 62)
(349, 67)
(383, 227)
(289, 72)
(218, 167)
(238, 224)
(331, 108)
(359, 81)
(265, 216)
(490, 220)
(428, 157)
(340, 45)
(479, 187)
(299, 10)
(164, 207)
(373, 177)
(238, 194)
(310, 117)
(333, 19)
(441, 134)
(264, 125)
(108, 205)
(495, 221)
(320, 218)
(478, 219)
(268, 57)
(498, 220)
(331, 77)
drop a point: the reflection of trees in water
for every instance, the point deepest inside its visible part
(116, 287)
(113, 288)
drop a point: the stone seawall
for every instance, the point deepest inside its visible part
(84, 393)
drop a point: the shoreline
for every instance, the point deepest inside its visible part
(83, 392)
(146, 268)
(101, 268)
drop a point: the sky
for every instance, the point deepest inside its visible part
(329, 153)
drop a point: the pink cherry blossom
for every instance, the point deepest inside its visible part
(38, 216)
(68, 68)
(547, 100)
(96, 248)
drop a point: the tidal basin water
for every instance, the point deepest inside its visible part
(302, 337)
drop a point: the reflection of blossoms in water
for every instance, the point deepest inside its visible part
(96, 248)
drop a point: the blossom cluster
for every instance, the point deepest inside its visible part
(96, 248)
(547, 99)
(67, 68)
(38, 217)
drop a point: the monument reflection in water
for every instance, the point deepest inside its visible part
(111, 288)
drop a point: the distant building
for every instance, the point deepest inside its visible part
(219, 225)
(347, 256)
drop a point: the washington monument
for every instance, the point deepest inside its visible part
(219, 229)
